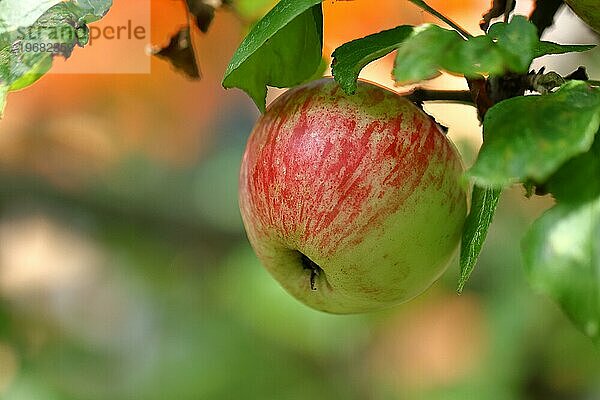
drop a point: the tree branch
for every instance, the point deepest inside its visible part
(451, 96)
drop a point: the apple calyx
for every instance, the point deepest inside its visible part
(313, 267)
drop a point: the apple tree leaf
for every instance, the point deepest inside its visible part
(561, 252)
(252, 10)
(283, 49)
(543, 48)
(507, 47)
(420, 57)
(578, 180)
(432, 49)
(350, 58)
(483, 207)
(561, 255)
(530, 137)
(26, 51)
(18, 13)
(517, 41)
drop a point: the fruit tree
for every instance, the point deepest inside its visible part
(351, 195)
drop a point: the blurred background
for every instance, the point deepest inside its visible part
(125, 272)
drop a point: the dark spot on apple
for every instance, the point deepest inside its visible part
(314, 268)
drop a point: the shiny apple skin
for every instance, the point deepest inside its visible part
(366, 186)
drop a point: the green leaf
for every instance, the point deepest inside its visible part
(561, 255)
(283, 49)
(252, 9)
(36, 67)
(474, 57)
(26, 51)
(517, 41)
(431, 49)
(578, 180)
(543, 48)
(350, 58)
(420, 56)
(483, 207)
(507, 47)
(89, 10)
(18, 13)
(320, 71)
(530, 137)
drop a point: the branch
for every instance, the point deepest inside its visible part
(450, 96)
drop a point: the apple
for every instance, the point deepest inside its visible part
(353, 203)
(587, 10)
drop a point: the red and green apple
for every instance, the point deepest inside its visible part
(352, 202)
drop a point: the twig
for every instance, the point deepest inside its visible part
(451, 96)
(442, 17)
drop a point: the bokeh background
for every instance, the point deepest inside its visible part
(125, 272)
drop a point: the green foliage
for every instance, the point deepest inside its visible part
(530, 137)
(483, 207)
(543, 48)
(426, 50)
(507, 47)
(26, 51)
(283, 49)
(562, 250)
(19, 13)
(548, 139)
(420, 58)
(578, 180)
(542, 140)
(562, 257)
(350, 58)
(252, 9)
(516, 41)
